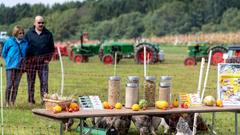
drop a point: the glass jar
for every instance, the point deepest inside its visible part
(114, 88)
(131, 94)
(150, 90)
(165, 88)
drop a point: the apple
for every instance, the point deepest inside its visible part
(70, 110)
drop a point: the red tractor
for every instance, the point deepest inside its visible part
(63, 50)
(233, 55)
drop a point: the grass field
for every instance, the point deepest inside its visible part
(91, 79)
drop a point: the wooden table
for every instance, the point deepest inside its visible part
(126, 112)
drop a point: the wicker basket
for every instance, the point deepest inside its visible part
(50, 103)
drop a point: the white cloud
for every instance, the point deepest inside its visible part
(11, 3)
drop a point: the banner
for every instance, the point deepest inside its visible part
(228, 85)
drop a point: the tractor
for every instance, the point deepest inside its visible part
(197, 50)
(106, 51)
(129, 50)
(154, 53)
(81, 53)
(109, 48)
(233, 54)
(63, 50)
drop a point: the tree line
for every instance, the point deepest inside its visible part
(127, 18)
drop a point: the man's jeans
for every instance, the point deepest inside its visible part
(13, 78)
(42, 70)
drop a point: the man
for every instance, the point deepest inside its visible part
(41, 48)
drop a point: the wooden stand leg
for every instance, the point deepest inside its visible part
(236, 123)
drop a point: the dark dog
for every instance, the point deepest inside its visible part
(120, 123)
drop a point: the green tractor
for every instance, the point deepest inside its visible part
(128, 50)
(81, 53)
(106, 51)
(197, 50)
(154, 53)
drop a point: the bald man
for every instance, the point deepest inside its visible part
(41, 48)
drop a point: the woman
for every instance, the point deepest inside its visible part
(14, 50)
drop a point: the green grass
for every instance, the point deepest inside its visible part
(92, 79)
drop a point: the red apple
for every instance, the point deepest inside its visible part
(70, 110)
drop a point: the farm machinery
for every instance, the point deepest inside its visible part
(107, 51)
(128, 50)
(63, 50)
(154, 53)
(82, 53)
(3, 38)
(197, 50)
(233, 54)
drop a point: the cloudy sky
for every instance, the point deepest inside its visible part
(11, 3)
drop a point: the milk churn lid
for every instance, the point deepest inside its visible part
(133, 78)
(150, 78)
(132, 85)
(165, 78)
(114, 78)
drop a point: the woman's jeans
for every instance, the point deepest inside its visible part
(13, 77)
